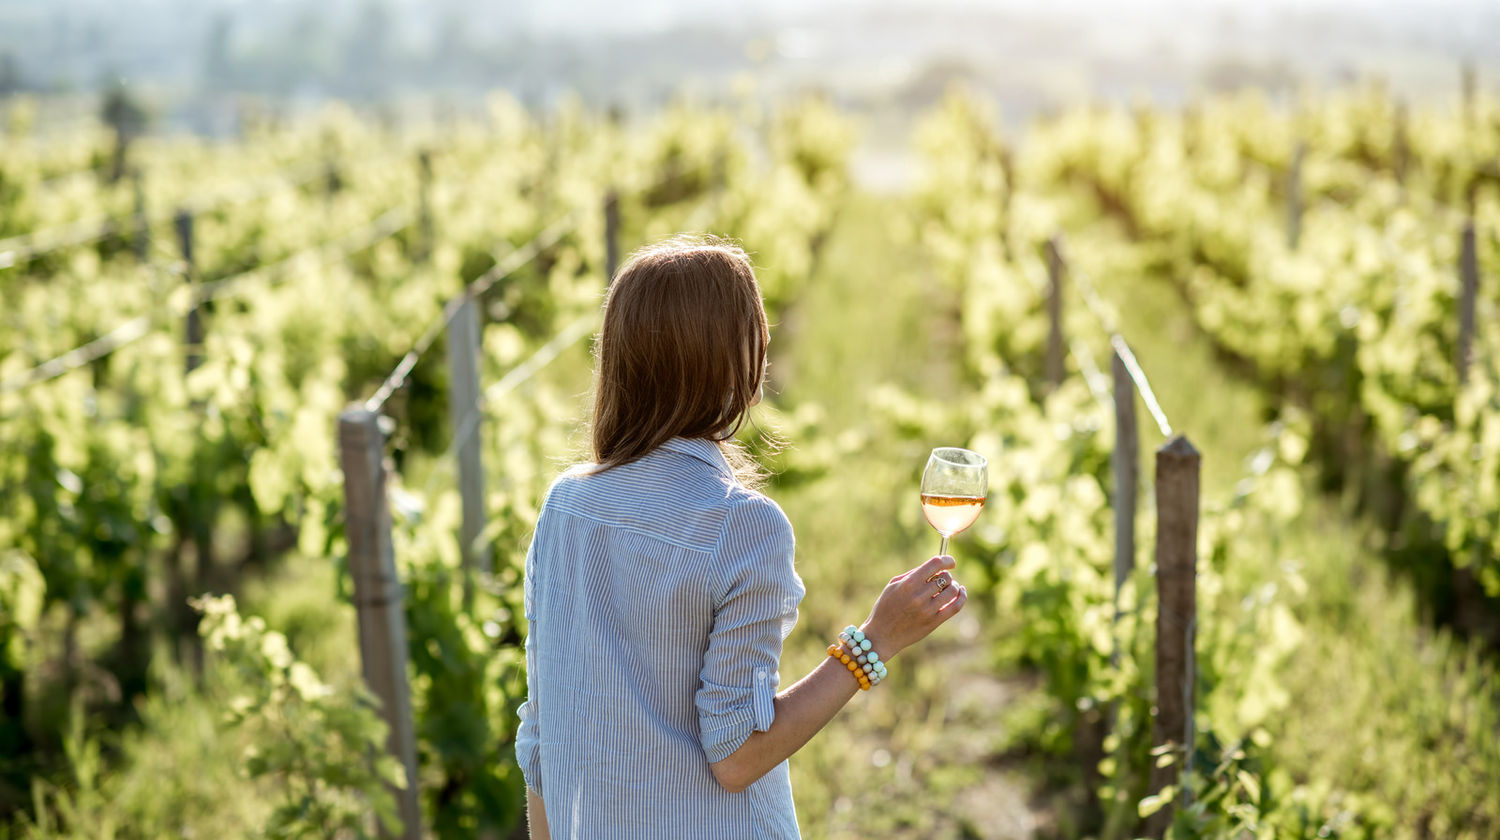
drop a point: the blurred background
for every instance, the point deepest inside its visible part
(296, 302)
(201, 64)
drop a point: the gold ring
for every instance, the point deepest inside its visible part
(942, 584)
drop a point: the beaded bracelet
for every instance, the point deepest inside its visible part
(859, 656)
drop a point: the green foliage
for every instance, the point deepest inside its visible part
(1332, 338)
(129, 487)
(184, 770)
(324, 748)
(1358, 321)
(1313, 719)
(22, 594)
(22, 590)
(467, 672)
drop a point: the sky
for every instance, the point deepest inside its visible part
(191, 56)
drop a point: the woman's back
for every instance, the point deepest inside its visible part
(658, 594)
(659, 590)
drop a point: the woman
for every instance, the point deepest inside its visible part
(659, 588)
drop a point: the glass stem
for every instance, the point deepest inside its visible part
(943, 546)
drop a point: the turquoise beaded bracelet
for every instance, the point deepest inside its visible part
(862, 651)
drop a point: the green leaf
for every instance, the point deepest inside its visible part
(1155, 802)
(1251, 785)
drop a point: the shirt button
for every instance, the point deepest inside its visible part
(760, 674)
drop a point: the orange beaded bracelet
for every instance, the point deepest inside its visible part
(856, 653)
(838, 652)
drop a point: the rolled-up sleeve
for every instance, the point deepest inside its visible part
(528, 736)
(756, 608)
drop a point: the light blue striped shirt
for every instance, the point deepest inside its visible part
(658, 596)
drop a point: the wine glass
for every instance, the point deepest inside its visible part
(953, 489)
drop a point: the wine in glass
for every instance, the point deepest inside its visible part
(953, 490)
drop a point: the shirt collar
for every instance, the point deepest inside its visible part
(701, 449)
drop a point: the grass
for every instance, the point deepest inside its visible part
(1384, 712)
(920, 755)
(1385, 716)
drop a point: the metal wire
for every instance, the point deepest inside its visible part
(565, 338)
(541, 357)
(28, 246)
(513, 378)
(100, 347)
(17, 250)
(1092, 376)
(136, 328)
(381, 227)
(523, 255)
(514, 261)
(1142, 384)
(1094, 303)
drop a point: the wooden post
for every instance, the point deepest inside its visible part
(1054, 312)
(184, 224)
(1468, 267)
(332, 180)
(1007, 200)
(1400, 145)
(721, 168)
(1190, 129)
(1177, 464)
(544, 182)
(464, 413)
(1469, 82)
(378, 596)
(204, 510)
(611, 235)
(1294, 197)
(1126, 462)
(142, 224)
(424, 203)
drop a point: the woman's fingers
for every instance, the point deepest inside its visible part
(914, 603)
(940, 583)
(935, 564)
(951, 608)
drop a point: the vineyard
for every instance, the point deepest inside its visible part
(276, 415)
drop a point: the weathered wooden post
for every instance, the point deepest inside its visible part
(1468, 267)
(1007, 200)
(465, 416)
(128, 119)
(543, 183)
(378, 596)
(1054, 311)
(1177, 464)
(203, 510)
(611, 235)
(333, 181)
(1294, 197)
(1190, 129)
(1126, 462)
(721, 168)
(1469, 81)
(142, 224)
(424, 202)
(1400, 144)
(184, 224)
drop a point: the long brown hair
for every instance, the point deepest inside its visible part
(682, 351)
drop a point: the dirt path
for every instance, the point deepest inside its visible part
(924, 756)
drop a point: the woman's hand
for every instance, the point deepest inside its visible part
(913, 604)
